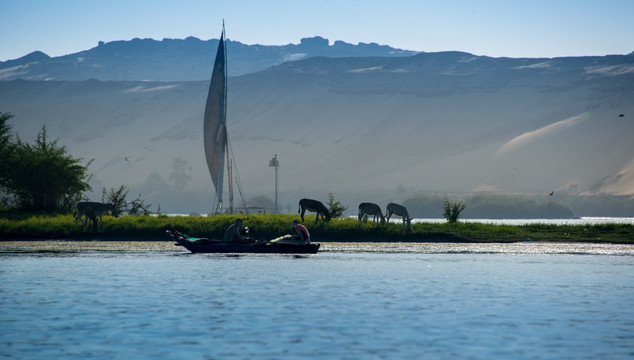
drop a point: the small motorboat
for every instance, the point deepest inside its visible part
(205, 245)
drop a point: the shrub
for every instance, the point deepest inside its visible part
(452, 210)
(118, 199)
(334, 207)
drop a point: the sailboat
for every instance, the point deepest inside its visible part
(217, 146)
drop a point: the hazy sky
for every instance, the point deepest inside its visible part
(513, 28)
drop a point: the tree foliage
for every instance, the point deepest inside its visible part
(139, 207)
(118, 199)
(334, 207)
(7, 149)
(40, 176)
(6, 132)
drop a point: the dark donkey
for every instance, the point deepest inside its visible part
(313, 206)
(91, 210)
(371, 209)
(399, 210)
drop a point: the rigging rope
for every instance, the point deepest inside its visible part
(237, 176)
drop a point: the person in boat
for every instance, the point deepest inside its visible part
(300, 233)
(232, 234)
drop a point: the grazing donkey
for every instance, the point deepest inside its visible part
(90, 210)
(313, 206)
(399, 210)
(371, 209)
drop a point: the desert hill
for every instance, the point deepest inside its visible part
(355, 127)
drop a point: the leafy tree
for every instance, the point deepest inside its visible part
(334, 207)
(452, 210)
(5, 132)
(7, 148)
(139, 207)
(43, 176)
(118, 199)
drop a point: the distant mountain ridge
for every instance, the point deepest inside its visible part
(448, 121)
(354, 126)
(176, 59)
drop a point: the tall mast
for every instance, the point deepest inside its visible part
(229, 178)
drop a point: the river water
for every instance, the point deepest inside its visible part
(585, 220)
(350, 301)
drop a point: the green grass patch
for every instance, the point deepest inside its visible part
(268, 226)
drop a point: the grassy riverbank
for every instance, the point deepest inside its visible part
(270, 226)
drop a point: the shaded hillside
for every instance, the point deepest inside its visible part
(357, 126)
(175, 59)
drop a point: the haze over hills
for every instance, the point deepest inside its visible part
(364, 128)
(175, 59)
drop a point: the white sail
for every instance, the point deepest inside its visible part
(215, 122)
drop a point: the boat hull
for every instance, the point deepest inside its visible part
(249, 248)
(209, 246)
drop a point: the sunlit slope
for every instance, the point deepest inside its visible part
(442, 122)
(447, 121)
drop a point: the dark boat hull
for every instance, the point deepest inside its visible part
(251, 248)
(209, 246)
